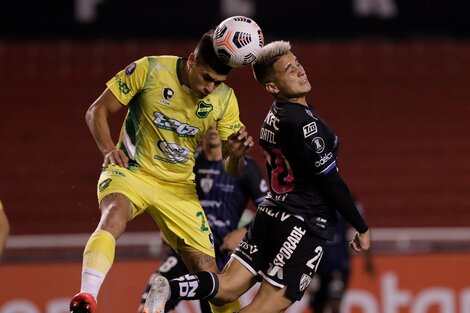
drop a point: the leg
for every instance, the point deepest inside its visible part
(234, 281)
(269, 299)
(99, 252)
(198, 261)
(98, 256)
(171, 267)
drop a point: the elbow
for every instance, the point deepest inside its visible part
(89, 114)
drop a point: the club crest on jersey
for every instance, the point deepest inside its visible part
(206, 184)
(130, 69)
(319, 144)
(304, 282)
(310, 129)
(203, 109)
(168, 93)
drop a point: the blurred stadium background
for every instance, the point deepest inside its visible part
(392, 77)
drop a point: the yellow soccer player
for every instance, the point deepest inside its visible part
(171, 102)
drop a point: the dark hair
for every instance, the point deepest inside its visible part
(205, 54)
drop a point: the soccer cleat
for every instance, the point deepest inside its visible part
(82, 303)
(158, 295)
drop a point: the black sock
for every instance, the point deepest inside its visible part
(200, 285)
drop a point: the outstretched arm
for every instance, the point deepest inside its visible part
(337, 194)
(97, 120)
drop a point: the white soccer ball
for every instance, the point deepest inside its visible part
(238, 41)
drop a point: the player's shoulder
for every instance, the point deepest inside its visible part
(162, 61)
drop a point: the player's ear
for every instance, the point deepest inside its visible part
(191, 59)
(271, 88)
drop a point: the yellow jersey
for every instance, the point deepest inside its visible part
(165, 122)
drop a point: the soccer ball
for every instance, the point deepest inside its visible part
(238, 41)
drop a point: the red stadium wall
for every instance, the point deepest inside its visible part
(399, 108)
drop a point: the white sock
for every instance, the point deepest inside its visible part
(92, 281)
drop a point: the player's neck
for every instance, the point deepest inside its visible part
(213, 154)
(300, 100)
(184, 72)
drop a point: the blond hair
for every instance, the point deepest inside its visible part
(263, 65)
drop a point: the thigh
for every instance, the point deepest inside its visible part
(269, 299)
(120, 180)
(197, 261)
(179, 215)
(234, 281)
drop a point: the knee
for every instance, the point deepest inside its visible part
(227, 292)
(114, 216)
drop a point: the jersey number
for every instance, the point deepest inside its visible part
(313, 262)
(203, 221)
(168, 264)
(282, 177)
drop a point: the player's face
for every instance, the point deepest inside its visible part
(290, 77)
(203, 80)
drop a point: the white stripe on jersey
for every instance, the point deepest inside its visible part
(129, 146)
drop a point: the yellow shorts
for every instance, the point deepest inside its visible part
(174, 207)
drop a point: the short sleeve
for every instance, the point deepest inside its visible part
(129, 81)
(229, 122)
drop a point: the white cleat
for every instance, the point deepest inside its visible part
(158, 295)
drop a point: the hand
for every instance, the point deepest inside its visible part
(360, 242)
(239, 143)
(116, 157)
(232, 239)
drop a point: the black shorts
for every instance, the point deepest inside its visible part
(280, 249)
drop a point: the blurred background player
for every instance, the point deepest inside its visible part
(285, 241)
(171, 101)
(331, 280)
(224, 199)
(4, 229)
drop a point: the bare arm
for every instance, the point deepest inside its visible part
(97, 120)
(4, 230)
(233, 150)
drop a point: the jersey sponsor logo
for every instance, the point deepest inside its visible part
(304, 282)
(208, 171)
(105, 184)
(122, 86)
(203, 109)
(168, 93)
(309, 113)
(319, 144)
(272, 120)
(211, 203)
(250, 248)
(325, 158)
(167, 123)
(174, 152)
(130, 68)
(263, 186)
(187, 285)
(310, 129)
(285, 252)
(270, 212)
(235, 126)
